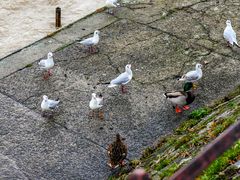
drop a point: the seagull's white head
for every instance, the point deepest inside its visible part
(97, 32)
(128, 66)
(198, 66)
(45, 97)
(94, 95)
(228, 22)
(50, 54)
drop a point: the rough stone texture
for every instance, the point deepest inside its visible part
(161, 41)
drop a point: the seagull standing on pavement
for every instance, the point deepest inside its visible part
(230, 35)
(48, 104)
(91, 42)
(96, 103)
(193, 76)
(122, 79)
(111, 4)
(47, 64)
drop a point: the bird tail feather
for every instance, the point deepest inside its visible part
(236, 44)
(111, 85)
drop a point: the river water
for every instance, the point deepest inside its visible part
(22, 22)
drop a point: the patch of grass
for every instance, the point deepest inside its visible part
(169, 170)
(29, 65)
(183, 140)
(135, 162)
(162, 164)
(198, 141)
(147, 152)
(185, 126)
(232, 104)
(199, 113)
(225, 123)
(221, 163)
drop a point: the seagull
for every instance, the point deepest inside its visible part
(92, 41)
(123, 78)
(96, 103)
(230, 35)
(47, 64)
(193, 76)
(180, 99)
(112, 4)
(48, 104)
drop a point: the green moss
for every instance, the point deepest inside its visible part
(29, 65)
(212, 172)
(224, 124)
(185, 126)
(169, 170)
(232, 104)
(199, 113)
(147, 152)
(135, 162)
(183, 140)
(163, 163)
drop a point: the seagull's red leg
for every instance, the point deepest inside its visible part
(90, 114)
(49, 72)
(186, 108)
(45, 76)
(228, 44)
(178, 110)
(123, 89)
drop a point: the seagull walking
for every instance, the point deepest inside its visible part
(193, 76)
(47, 65)
(230, 35)
(91, 42)
(122, 79)
(48, 104)
(95, 104)
(111, 4)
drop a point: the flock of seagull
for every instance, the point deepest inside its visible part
(179, 99)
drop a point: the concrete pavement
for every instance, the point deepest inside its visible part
(161, 41)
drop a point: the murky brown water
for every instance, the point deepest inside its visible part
(24, 21)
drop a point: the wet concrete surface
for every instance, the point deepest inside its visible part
(162, 41)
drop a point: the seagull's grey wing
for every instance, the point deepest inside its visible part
(87, 42)
(42, 63)
(230, 35)
(52, 104)
(121, 79)
(99, 100)
(192, 76)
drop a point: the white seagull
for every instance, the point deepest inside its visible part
(48, 104)
(230, 35)
(193, 76)
(96, 103)
(92, 41)
(47, 64)
(112, 4)
(123, 78)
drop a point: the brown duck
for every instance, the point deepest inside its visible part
(117, 152)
